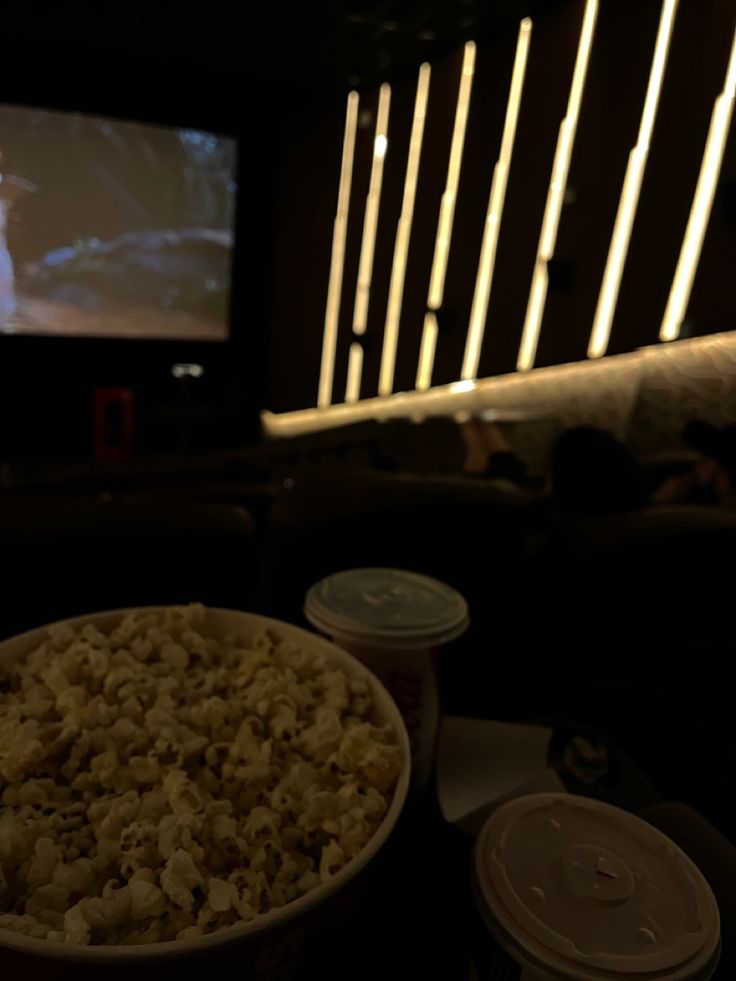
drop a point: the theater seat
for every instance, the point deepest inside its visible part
(625, 623)
(62, 558)
(466, 532)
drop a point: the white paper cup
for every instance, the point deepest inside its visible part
(394, 622)
(577, 890)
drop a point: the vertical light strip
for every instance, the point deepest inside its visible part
(446, 218)
(447, 207)
(487, 261)
(337, 261)
(403, 235)
(556, 193)
(426, 351)
(370, 222)
(631, 190)
(355, 370)
(692, 243)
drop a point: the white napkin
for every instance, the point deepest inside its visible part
(481, 763)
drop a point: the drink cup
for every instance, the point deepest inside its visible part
(572, 889)
(395, 622)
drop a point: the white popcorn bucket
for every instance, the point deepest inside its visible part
(395, 623)
(304, 938)
(572, 889)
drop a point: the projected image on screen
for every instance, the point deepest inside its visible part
(113, 229)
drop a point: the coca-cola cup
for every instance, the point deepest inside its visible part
(395, 622)
(572, 889)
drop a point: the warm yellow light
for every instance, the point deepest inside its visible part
(370, 222)
(337, 261)
(556, 193)
(700, 210)
(380, 145)
(447, 216)
(426, 352)
(403, 235)
(467, 385)
(447, 205)
(487, 261)
(512, 397)
(355, 370)
(631, 190)
(534, 311)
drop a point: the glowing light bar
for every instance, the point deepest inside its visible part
(337, 261)
(556, 193)
(370, 222)
(355, 370)
(447, 215)
(466, 385)
(187, 370)
(403, 235)
(631, 190)
(487, 261)
(513, 396)
(426, 352)
(447, 207)
(700, 210)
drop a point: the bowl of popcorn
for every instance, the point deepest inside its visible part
(181, 782)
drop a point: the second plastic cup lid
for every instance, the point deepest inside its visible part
(387, 608)
(575, 888)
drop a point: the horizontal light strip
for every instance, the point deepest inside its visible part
(370, 222)
(337, 261)
(556, 194)
(355, 370)
(692, 243)
(487, 261)
(403, 235)
(508, 397)
(427, 351)
(447, 212)
(631, 190)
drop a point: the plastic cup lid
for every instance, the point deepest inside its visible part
(388, 608)
(577, 889)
